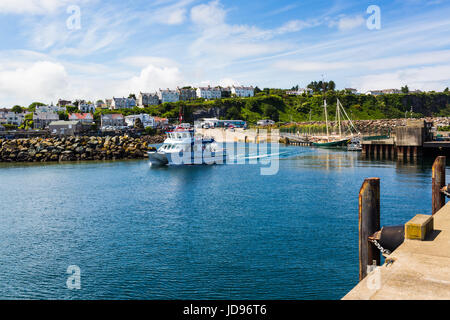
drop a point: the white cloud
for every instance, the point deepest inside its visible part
(143, 61)
(35, 6)
(206, 15)
(348, 23)
(153, 78)
(401, 61)
(423, 78)
(42, 81)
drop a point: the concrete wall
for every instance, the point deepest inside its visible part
(409, 136)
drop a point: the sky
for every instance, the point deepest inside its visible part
(93, 49)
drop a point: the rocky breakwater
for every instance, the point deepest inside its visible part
(73, 149)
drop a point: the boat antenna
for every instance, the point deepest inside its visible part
(325, 105)
(181, 115)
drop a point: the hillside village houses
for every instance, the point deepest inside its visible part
(351, 90)
(63, 103)
(84, 118)
(112, 120)
(147, 99)
(86, 107)
(41, 120)
(66, 127)
(50, 108)
(168, 95)
(161, 122)
(209, 93)
(122, 103)
(243, 92)
(146, 120)
(9, 117)
(187, 94)
(300, 92)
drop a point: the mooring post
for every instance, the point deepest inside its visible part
(438, 181)
(369, 223)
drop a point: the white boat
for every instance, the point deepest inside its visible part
(182, 147)
(354, 145)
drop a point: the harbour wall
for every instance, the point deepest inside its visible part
(74, 148)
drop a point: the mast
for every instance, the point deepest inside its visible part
(326, 116)
(181, 115)
(338, 117)
(310, 110)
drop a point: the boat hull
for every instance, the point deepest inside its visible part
(332, 144)
(194, 158)
(157, 158)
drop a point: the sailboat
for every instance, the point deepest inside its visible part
(335, 141)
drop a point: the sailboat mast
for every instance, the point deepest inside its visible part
(338, 115)
(326, 116)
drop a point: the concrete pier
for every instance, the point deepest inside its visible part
(417, 270)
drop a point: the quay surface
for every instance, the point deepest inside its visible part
(417, 270)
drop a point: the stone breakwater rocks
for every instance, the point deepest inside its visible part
(367, 126)
(74, 149)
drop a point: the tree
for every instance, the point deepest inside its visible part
(72, 109)
(446, 90)
(138, 124)
(132, 96)
(32, 107)
(405, 89)
(17, 109)
(322, 86)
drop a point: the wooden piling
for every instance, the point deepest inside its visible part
(369, 223)
(438, 181)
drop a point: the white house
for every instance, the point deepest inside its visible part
(147, 120)
(351, 90)
(87, 108)
(9, 117)
(122, 103)
(300, 91)
(243, 91)
(41, 120)
(84, 118)
(168, 95)
(50, 108)
(209, 93)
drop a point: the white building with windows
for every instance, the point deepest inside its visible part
(243, 91)
(50, 108)
(87, 108)
(209, 93)
(300, 92)
(147, 120)
(168, 95)
(9, 117)
(122, 103)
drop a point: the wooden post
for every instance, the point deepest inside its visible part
(369, 223)
(438, 181)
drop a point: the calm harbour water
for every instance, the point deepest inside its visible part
(206, 232)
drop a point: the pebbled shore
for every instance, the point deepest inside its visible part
(76, 148)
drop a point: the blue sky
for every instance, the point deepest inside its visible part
(129, 46)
